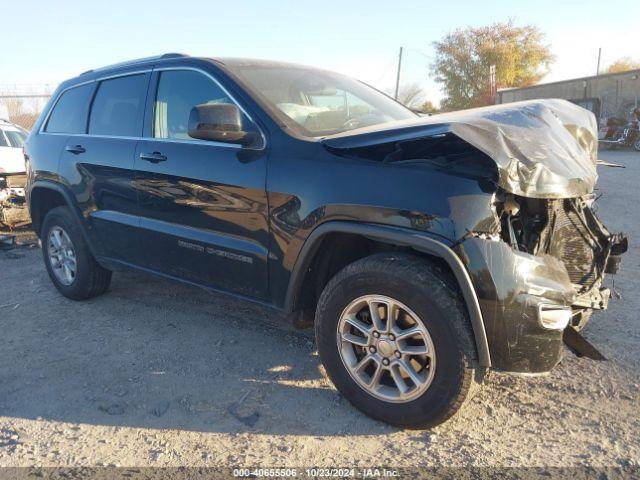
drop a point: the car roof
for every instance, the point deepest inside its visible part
(254, 62)
(166, 57)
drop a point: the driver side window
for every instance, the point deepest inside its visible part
(178, 92)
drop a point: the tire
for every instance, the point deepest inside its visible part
(89, 279)
(636, 144)
(420, 287)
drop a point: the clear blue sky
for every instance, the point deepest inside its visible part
(46, 41)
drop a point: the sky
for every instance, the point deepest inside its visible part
(45, 41)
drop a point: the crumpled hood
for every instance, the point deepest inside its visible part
(542, 148)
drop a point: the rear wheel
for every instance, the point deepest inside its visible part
(70, 265)
(395, 340)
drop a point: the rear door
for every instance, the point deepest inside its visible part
(67, 118)
(203, 204)
(99, 164)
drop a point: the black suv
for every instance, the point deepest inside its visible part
(424, 250)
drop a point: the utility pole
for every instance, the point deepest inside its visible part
(398, 74)
(599, 56)
(492, 83)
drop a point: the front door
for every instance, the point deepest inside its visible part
(203, 205)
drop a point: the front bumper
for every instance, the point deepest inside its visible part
(520, 296)
(13, 210)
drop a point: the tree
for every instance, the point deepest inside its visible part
(410, 95)
(18, 112)
(463, 58)
(622, 65)
(429, 107)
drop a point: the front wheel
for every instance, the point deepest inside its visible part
(395, 340)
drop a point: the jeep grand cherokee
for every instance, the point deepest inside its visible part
(425, 251)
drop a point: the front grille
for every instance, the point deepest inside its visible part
(570, 243)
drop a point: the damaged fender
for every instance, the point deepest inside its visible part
(515, 290)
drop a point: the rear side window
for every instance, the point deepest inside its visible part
(118, 106)
(69, 114)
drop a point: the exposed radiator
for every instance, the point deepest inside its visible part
(570, 242)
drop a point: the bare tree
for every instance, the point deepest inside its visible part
(411, 95)
(23, 105)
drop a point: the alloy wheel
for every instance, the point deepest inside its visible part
(62, 256)
(386, 348)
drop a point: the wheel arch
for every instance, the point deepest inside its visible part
(399, 237)
(45, 195)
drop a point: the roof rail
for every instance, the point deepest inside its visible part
(137, 60)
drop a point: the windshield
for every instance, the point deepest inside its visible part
(320, 103)
(16, 138)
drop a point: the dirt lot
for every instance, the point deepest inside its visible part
(158, 373)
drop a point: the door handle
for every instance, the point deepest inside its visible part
(155, 157)
(75, 149)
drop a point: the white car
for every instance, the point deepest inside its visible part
(12, 138)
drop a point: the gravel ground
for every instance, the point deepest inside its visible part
(161, 374)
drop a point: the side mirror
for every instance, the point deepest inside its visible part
(219, 122)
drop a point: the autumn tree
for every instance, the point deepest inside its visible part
(463, 58)
(622, 65)
(429, 107)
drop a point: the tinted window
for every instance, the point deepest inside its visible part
(117, 107)
(16, 138)
(3, 141)
(69, 114)
(178, 92)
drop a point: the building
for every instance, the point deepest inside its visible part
(606, 95)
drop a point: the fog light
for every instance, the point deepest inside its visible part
(554, 317)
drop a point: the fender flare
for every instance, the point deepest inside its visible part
(50, 185)
(402, 237)
(69, 200)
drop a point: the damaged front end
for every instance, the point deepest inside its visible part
(13, 208)
(538, 273)
(534, 248)
(569, 231)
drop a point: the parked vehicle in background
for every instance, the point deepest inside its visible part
(425, 250)
(12, 138)
(12, 173)
(618, 132)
